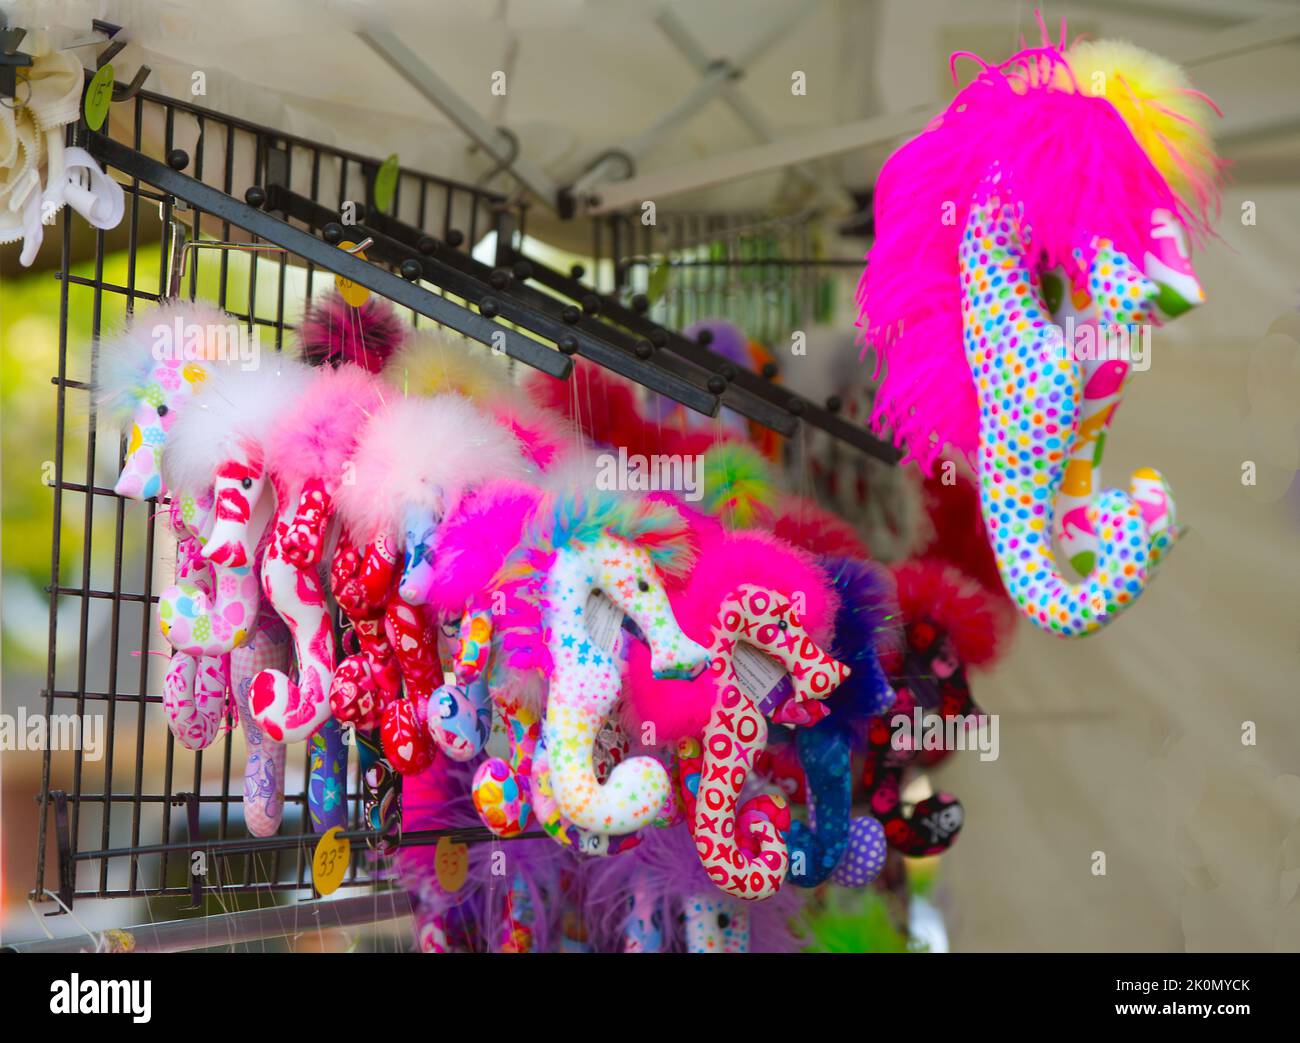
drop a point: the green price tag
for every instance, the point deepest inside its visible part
(386, 183)
(99, 92)
(657, 282)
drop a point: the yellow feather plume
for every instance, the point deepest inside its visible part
(434, 361)
(1169, 119)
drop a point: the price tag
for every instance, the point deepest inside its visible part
(757, 673)
(99, 92)
(451, 864)
(330, 862)
(354, 293)
(604, 621)
(386, 183)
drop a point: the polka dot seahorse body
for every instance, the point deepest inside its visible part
(1029, 393)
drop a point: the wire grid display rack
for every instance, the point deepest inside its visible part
(128, 825)
(770, 275)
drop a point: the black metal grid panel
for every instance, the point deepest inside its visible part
(125, 827)
(770, 275)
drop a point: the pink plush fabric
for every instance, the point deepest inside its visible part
(1072, 162)
(475, 539)
(725, 560)
(318, 435)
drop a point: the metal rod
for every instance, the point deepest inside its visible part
(466, 277)
(248, 925)
(715, 77)
(415, 71)
(743, 379)
(307, 246)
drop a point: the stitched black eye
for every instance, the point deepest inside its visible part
(642, 585)
(724, 921)
(247, 483)
(162, 410)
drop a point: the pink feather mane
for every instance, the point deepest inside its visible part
(318, 435)
(545, 435)
(474, 541)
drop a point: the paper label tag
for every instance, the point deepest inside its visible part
(99, 92)
(757, 673)
(354, 293)
(604, 621)
(329, 864)
(450, 864)
(386, 183)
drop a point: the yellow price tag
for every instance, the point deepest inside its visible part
(330, 862)
(451, 864)
(355, 294)
(99, 92)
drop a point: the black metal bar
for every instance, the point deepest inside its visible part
(244, 845)
(67, 856)
(757, 262)
(753, 383)
(589, 332)
(196, 842)
(738, 393)
(460, 274)
(305, 245)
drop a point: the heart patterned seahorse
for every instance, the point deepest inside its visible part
(288, 711)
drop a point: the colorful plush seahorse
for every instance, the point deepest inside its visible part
(598, 554)
(1061, 178)
(760, 605)
(139, 384)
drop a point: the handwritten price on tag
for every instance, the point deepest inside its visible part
(355, 294)
(330, 862)
(99, 92)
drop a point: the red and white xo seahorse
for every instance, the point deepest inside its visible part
(741, 846)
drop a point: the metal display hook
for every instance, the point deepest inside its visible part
(181, 245)
(121, 92)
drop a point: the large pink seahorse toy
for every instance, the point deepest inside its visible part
(1078, 174)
